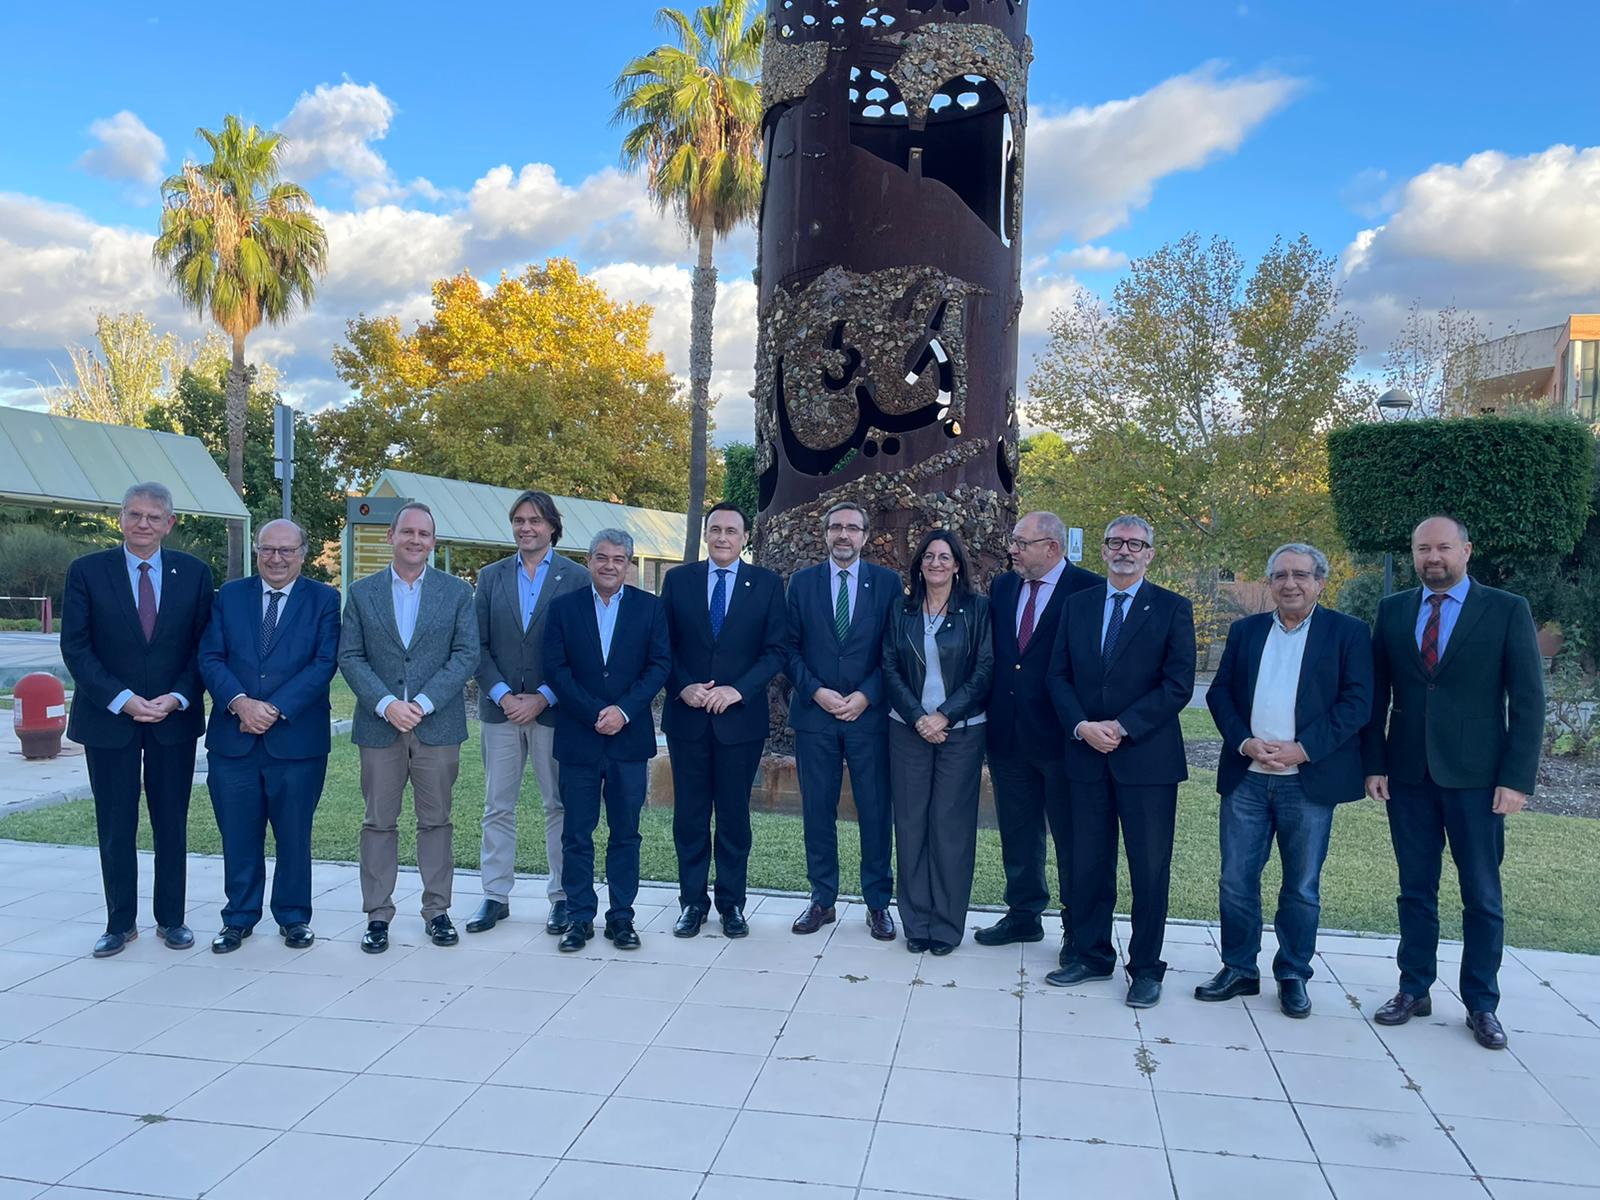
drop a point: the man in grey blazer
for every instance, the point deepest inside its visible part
(516, 723)
(408, 646)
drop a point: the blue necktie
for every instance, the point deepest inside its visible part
(1113, 628)
(269, 623)
(719, 603)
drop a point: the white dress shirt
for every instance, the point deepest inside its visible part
(407, 600)
(1277, 686)
(1047, 588)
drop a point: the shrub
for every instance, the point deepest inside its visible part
(34, 562)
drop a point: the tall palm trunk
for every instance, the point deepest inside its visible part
(703, 301)
(238, 391)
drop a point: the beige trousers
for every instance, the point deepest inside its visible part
(432, 772)
(507, 749)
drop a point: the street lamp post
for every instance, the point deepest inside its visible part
(1395, 404)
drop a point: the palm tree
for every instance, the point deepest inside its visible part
(693, 118)
(243, 247)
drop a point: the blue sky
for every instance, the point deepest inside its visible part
(1443, 152)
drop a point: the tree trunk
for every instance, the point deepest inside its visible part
(703, 301)
(238, 391)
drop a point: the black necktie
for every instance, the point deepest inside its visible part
(269, 623)
(1113, 628)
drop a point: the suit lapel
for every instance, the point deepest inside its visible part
(1319, 649)
(1058, 597)
(701, 603)
(1260, 631)
(547, 592)
(1471, 613)
(290, 607)
(382, 600)
(169, 594)
(1138, 613)
(117, 574)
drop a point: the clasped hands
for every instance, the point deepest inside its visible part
(933, 728)
(523, 708)
(840, 707)
(256, 716)
(1506, 800)
(404, 715)
(715, 699)
(149, 712)
(1104, 736)
(1274, 755)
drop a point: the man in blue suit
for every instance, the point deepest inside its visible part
(606, 655)
(837, 611)
(1291, 697)
(267, 659)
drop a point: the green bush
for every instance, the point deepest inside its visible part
(34, 562)
(1360, 596)
(19, 625)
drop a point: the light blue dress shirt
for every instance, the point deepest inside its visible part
(1449, 611)
(407, 598)
(852, 585)
(527, 600)
(733, 577)
(605, 617)
(1127, 609)
(133, 562)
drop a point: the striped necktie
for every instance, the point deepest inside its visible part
(269, 623)
(1113, 628)
(841, 607)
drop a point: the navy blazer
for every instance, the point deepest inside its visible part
(818, 658)
(585, 683)
(1022, 720)
(104, 649)
(752, 649)
(1332, 704)
(293, 675)
(1148, 683)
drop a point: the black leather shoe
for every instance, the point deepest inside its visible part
(1292, 998)
(1013, 927)
(1487, 1030)
(814, 918)
(880, 924)
(1226, 984)
(441, 932)
(229, 939)
(939, 949)
(112, 943)
(734, 925)
(1066, 954)
(376, 939)
(689, 921)
(557, 922)
(576, 937)
(177, 937)
(622, 935)
(918, 945)
(1144, 992)
(1075, 972)
(490, 913)
(1402, 1007)
(297, 936)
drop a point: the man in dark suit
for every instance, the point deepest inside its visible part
(606, 655)
(1453, 748)
(1027, 746)
(267, 659)
(837, 611)
(130, 638)
(730, 635)
(1291, 697)
(1121, 671)
(515, 720)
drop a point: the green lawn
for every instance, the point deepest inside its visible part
(1552, 866)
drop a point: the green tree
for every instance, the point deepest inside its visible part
(739, 477)
(693, 117)
(241, 245)
(136, 368)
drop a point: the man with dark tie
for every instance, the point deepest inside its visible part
(1291, 696)
(130, 638)
(267, 659)
(606, 655)
(1121, 671)
(515, 721)
(730, 635)
(837, 612)
(1453, 748)
(1027, 746)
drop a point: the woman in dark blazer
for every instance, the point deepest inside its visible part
(938, 662)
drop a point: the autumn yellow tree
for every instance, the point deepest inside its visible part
(543, 380)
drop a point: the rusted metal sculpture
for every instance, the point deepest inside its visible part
(890, 272)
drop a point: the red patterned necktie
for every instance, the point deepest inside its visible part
(1025, 631)
(147, 602)
(1430, 636)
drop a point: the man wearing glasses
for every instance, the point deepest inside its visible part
(1027, 746)
(267, 659)
(837, 611)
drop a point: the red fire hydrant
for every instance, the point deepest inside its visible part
(39, 712)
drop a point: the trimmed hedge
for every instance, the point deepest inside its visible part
(1522, 485)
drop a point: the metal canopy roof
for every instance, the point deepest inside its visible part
(69, 463)
(476, 513)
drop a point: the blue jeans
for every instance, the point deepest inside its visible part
(1261, 806)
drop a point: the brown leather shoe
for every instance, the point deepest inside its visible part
(880, 924)
(1402, 1007)
(813, 919)
(1488, 1031)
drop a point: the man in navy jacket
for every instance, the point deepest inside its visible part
(1291, 697)
(267, 658)
(606, 655)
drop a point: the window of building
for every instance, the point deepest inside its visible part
(1588, 405)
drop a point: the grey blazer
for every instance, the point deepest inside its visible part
(511, 654)
(437, 663)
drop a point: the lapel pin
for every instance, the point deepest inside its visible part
(747, 583)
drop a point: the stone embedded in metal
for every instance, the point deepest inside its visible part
(890, 272)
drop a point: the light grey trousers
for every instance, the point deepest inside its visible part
(507, 749)
(935, 791)
(432, 771)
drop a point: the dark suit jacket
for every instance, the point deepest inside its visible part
(753, 647)
(1331, 705)
(966, 660)
(510, 654)
(1479, 721)
(104, 649)
(293, 675)
(820, 660)
(585, 683)
(1151, 678)
(1022, 720)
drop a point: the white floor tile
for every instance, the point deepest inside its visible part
(1370, 1183)
(729, 1187)
(225, 1036)
(984, 1103)
(733, 1030)
(1224, 1177)
(333, 1044)
(501, 1009)
(942, 1047)
(692, 1076)
(1095, 1170)
(22, 1015)
(263, 1096)
(397, 1000)
(1523, 1150)
(173, 1158)
(573, 1180)
(291, 995)
(611, 1018)
(568, 1064)
(814, 1088)
(1215, 1071)
(783, 1146)
(387, 1108)
(839, 1039)
(645, 981)
(1085, 1112)
(1072, 1059)
(46, 1145)
(138, 1084)
(1391, 1141)
(434, 1052)
(29, 1073)
(518, 1121)
(731, 988)
(112, 1025)
(946, 1162)
(1227, 1125)
(434, 1171)
(307, 1164)
(654, 1133)
(1348, 1083)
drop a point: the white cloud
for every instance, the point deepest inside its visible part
(1091, 168)
(128, 150)
(1091, 258)
(330, 131)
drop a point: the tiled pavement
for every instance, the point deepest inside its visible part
(817, 1068)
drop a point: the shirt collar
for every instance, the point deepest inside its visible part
(267, 589)
(134, 560)
(1457, 593)
(1054, 574)
(732, 569)
(396, 581)
(522, 567)
(1278, 624)
(600, 600)
(1130, 592)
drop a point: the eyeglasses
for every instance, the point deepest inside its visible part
(1024, 543)
(1135, 544)
(1297, 576)
(144, 518)
(938, 560)
(277, 551)
(836, 528)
